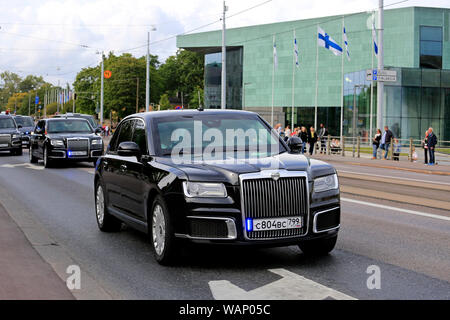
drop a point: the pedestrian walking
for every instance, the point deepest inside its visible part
(386, 140)
(425, 147)
(376, 144)
(312, 140)
(397, 149)
(278, 128)
(432, 142)
(323, 133)
(107, 130)
(304, 137)
(287, 131)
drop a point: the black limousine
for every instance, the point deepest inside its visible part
(10, 137)
(65, 139)
(214, 176)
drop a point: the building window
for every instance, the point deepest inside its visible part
(431, 47)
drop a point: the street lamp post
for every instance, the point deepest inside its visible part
(147, 82)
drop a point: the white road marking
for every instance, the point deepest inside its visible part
(392, 177)
(417, 213)
(290, 287)
(24, 165)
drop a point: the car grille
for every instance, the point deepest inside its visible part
(78, 144)
(5, 138)
(267, 198)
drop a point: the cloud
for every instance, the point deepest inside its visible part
(45, 37)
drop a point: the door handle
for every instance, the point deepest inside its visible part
(123, 168)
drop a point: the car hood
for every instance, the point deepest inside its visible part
(228, 171)
(26, 129)
(71, 135)
(8, 131)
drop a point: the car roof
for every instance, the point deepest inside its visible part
(3, 116)
(186, 112)
(64, 118)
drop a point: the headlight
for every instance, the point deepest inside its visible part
(57, 143)
(96, 142)
(204, 190)
(16, 136)
(326, 183)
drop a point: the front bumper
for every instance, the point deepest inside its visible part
(64, 154)
(13, 145)
(220, 221)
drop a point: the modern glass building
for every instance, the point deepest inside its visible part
(416, 46)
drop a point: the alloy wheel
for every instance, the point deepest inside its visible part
(158, 229)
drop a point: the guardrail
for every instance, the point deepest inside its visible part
(405, 149)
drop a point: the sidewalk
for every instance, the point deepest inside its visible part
(24, 275)
(404, 165)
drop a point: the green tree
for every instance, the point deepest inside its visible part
(164, 102)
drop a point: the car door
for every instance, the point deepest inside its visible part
(113, 173)
(133, 186)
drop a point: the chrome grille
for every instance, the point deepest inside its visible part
(78, 144)
(267, 198)
(5, 138)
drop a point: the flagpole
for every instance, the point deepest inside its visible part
(273, 81)
(371, 92)
(293, 86)
(317, 77)
(342, 82)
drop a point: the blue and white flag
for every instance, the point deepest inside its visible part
(374, 38)
(296, 52)
(346, 45)
(324, 40)
(275, 56)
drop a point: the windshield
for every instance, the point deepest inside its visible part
(91, 121)
(69, 126)
(7, 123)
(24, 121)
(215, 136)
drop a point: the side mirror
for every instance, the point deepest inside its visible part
(128, 149)
(295, 144)
(98, 130)
(19, 126)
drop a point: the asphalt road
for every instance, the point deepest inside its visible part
(412, 251)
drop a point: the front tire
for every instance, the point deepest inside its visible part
(47, 162)
(105, 221)
(318, 247)
(161, 232)
(33, 159)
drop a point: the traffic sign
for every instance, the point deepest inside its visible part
(107, 74)
(178, 107)
(36, 101)
(381, 75)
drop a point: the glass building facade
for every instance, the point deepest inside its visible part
(419, 99)
(213, 79)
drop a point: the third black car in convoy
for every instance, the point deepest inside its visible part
(26, 127)
(61, 139)
(10, 135)
(216, 177)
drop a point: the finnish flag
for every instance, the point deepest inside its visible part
(324, 40)
(275, 56)
(296, 53)
(346, 45)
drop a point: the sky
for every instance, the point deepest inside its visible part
(57, 38)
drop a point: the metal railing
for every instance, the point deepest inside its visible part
(399, 149)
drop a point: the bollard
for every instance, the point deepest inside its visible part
(359, 147)
(343, 146)
(329, 145)
(392, 149)
(411, 149)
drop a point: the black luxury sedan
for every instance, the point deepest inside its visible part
(10, 135)
(26, 125)
(217, 177)
(61, 139)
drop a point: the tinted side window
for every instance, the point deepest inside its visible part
(126, 132)
(40, 125)
(139, 135)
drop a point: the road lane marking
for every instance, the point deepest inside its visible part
(24, 165)
(417, 213)
(392, 177)
(290, 287)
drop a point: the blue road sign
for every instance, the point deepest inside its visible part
(375, 72)
(375, 78)
(36, 101)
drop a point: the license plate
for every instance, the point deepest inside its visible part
(77, 153)
(25, 142)
(4, 145)
(277, 224)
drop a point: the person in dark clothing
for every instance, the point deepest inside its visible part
(312, 139)
(304, 136)
(425, 147)
(385, 142)
(432, 142)
(376, 144)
